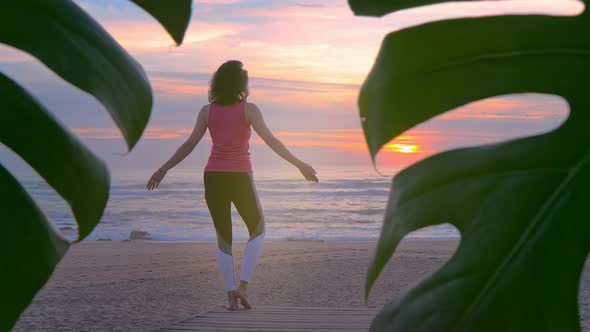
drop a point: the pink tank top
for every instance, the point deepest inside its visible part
(230, 133)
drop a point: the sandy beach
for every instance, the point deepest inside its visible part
(143, 286)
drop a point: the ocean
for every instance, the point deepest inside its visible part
(346, 205)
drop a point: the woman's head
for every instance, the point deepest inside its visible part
(229, 84)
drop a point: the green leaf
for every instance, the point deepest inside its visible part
(70, 168)
(29, 250)
(78, 49)
(31, 247)
(520, 209)
(174, 15)
(519, 205)
(75, 47)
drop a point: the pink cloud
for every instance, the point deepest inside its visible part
(306, 94)
(178, 87)
(149, 133)
(510, 108)
(216, 2)
(320, 97)
(329, 44)
(288, 41)
(10, 54)
(140, 36)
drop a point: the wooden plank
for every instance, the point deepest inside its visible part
(285, 317)
(279, 319)
(275, 327)
(274, 308)
(282, 317)
(274, 322)
(222, 328)
(252, 313)
(294, 312)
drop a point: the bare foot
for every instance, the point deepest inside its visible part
(232, 301)
(241, 295)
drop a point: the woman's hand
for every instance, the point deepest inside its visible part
(155, 179)
(308, 172)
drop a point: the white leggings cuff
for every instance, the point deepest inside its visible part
(251, 253)
(226, 268)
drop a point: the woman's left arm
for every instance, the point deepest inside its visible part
(183, 151)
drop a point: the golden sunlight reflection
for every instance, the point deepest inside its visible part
(403, 148)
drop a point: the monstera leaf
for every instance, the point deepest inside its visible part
(74, 46)
(520, 205)
(173, 17)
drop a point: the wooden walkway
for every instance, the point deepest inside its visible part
(279, 319)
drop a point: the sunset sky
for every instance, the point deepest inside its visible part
(306, 61)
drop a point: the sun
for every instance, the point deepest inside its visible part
(403, 148)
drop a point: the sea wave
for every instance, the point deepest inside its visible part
(336, 209)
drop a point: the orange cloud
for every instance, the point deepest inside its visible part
(178, 87)
(98, 133)
(321, 11)
(324, 134)
(216, 2)
(307, 94)
(149, 133)
(319, 97)
(142, 36)
(353, 140)
(323, 139)
(347, 146)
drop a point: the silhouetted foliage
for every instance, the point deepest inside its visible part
(69, 42)
(520, 205)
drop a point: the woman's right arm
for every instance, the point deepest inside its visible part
(183, 151)
(257, 121)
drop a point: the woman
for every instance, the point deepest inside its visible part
(228, 174)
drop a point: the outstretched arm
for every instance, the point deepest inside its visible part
(257, 121)
(183, 151)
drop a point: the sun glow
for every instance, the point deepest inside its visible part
(403, 148)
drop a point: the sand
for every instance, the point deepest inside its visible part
(142, 286)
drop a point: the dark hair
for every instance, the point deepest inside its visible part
(229, 84)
